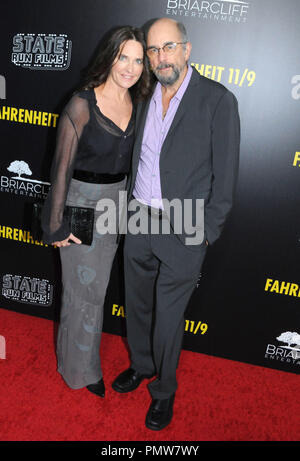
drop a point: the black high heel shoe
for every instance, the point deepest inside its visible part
(97, 388)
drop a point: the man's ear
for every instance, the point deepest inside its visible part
(188, 49)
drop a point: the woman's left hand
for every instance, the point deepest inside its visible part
(66, 243)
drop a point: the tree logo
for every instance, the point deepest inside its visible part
(21, 185)
(289, 353)
(291, 339)
(19, 167)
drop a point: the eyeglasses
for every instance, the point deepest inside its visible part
(168, 48)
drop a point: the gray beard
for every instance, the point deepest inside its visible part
(171, 79)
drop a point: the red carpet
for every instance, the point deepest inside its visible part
(217, 399)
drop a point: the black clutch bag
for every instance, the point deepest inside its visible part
(81, 222)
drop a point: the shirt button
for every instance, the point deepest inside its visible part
(125, 136)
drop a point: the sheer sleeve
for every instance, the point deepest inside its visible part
(70, 127)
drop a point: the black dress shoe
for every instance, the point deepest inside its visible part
(128, 380)
(160, 413)
(97, 388)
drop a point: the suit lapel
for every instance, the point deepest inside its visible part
(185, 103)
(140, 125)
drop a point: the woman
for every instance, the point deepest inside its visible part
(92, 157)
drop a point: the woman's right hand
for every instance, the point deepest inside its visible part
(66, 243)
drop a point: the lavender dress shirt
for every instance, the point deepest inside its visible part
(147, 188)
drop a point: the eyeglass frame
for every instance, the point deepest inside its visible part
(162, 47)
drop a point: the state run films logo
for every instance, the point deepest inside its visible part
(23, 186)
(42, 51)
(231, 11)
(28, 290)
(289, 353)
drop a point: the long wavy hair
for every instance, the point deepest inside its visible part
(108, 49)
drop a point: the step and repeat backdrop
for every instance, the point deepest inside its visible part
(246, 304)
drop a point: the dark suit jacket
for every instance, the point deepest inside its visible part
(199, 157)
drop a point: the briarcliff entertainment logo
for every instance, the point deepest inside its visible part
(287, 354)
(41, 51)
(19, 185)
(232, 11)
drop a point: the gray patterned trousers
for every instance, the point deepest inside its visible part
(85, 276)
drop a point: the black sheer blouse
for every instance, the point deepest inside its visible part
(86, 140)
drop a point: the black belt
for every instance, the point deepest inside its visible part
(98, 178)
(157, 212)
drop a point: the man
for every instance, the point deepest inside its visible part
(187, 147)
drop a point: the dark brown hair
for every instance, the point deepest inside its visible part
(105, 55)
